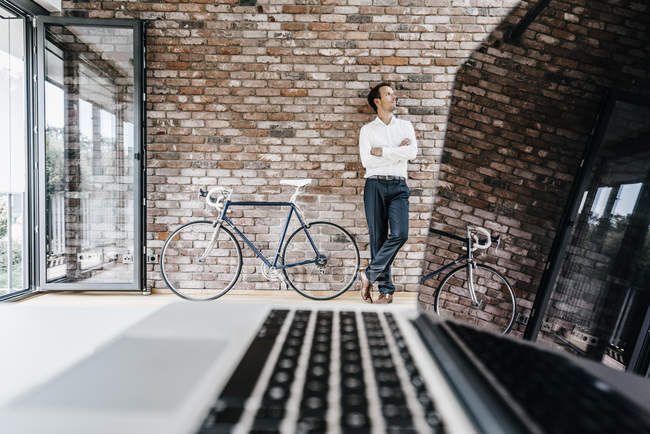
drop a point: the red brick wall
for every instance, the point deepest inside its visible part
(246, 95)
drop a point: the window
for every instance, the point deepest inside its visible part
(92, 178)
(601, 296)
(13, 160)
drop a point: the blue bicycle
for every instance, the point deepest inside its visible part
(202, 260)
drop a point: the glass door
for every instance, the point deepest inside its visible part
(13, 162)
(90, 135)
(602, 294)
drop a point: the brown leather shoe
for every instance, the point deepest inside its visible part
(365, 288)
(385, 299)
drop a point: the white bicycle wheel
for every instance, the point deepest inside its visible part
(189, 272)
(497, 306)
(333, 273)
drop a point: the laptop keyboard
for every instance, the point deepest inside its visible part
(313, 403)
(351, 372)
(273, 407)
(334, 372)
(423, 397)
(354, 406)
(391, 396)
(229, 407)
(559, 396)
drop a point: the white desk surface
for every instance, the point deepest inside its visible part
(44, 335)
(39, 341)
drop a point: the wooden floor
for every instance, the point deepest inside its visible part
(401, 299)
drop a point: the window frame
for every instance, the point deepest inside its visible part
(139, 229)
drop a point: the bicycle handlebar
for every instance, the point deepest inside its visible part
(215, 197)
(482, 241)
(478, 242)
(447, 234)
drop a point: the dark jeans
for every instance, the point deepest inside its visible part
(387, 205)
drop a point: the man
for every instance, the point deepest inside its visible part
(385, 144)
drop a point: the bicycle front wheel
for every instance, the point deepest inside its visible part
(497, 305)
(336, 260)
(198, 264)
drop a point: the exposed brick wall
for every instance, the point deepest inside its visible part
(243, 96)
(520, 118)
(247, 95)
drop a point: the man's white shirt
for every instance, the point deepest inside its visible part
(394, 159)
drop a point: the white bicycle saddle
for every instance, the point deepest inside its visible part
(296, 182)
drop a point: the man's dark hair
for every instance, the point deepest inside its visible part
(374, 93)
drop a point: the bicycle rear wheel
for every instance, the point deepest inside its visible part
(497, 303)
(336, 269)
(192, 274)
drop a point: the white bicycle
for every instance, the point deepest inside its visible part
(475, 292)
(202, 260)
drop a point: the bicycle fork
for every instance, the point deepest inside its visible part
(215, 237)
(470, 284)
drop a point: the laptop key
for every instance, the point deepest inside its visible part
(433, 419)
(316, 386)
(271, 412)
(262, 425)
(227, 411)
(311, 425)
(401, 430)
(314, 404)
(355, 420)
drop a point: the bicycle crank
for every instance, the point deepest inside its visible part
(272, 274)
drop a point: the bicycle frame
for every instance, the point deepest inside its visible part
(443, 268)
(470, 263)
(470, 271)
(274, 264)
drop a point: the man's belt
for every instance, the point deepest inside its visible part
(387, 178)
